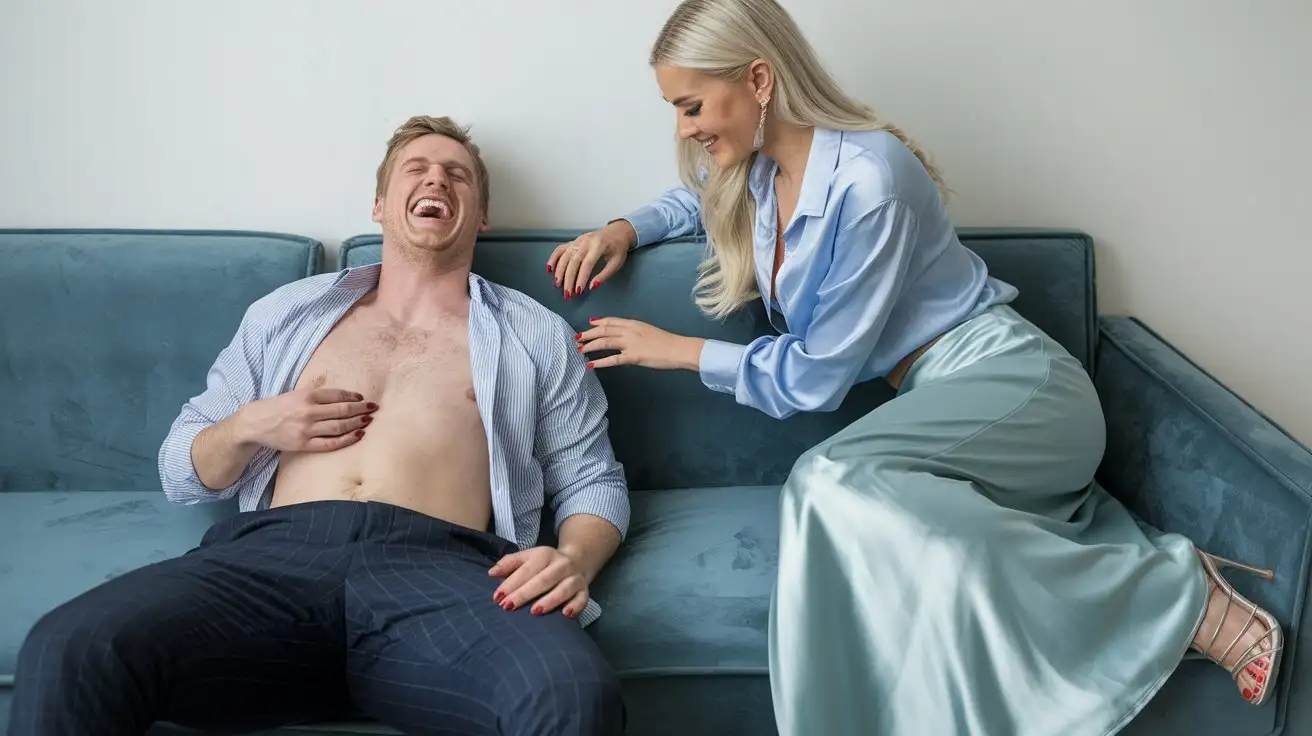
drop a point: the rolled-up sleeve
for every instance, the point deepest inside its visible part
(580, 472)
(232, 381)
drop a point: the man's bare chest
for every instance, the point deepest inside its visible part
(420, 367)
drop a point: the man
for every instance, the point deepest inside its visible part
(377, 426)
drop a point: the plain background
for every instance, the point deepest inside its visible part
(1175, 132)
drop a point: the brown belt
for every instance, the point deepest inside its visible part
(899, 371)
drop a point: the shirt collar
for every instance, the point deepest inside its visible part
(366, 277)
(821, 163)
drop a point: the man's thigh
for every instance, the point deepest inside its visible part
(240, 632)
(431, 653)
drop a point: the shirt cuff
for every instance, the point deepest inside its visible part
(650, 225)
(605, 500)
(719, 365)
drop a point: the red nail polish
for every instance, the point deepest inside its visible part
(497, 598)
(371, 406)
(593, 319)
(359, 433)
(578, 336)
(567, 296)
(367, 419)
(548, 269)
(1248, 694)
(1260, 679)
(569, 613)
(537, 610)
(578, 290)
(580, 348)
(508, 605)
(590, 365)
(595, 284)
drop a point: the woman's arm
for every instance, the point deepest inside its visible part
(675, 214)
(785, 374)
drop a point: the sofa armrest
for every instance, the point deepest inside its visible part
(1187, 455)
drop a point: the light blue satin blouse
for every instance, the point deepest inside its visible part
(872, 270)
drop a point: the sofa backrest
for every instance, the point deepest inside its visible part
(670, 431)
(104, 335)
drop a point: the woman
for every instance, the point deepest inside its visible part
(946, 564)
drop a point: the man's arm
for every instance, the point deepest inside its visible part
(203, 457)
(584, 485)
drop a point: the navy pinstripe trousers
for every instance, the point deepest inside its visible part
(312, 612)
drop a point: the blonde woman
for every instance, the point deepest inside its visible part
(945, 565)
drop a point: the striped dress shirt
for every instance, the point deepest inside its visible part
(543, 411)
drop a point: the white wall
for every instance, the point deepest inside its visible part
(1174, 131)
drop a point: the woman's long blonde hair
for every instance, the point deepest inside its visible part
(722, 38)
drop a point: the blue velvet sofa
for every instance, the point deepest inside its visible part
(103, 335)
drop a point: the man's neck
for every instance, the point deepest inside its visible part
(418, 289)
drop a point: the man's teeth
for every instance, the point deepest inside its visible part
(432, 208)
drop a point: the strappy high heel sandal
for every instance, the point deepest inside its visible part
(1213, 565)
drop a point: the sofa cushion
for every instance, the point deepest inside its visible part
(669, 430)
(104, 334)
(686, 598)
(55, 545)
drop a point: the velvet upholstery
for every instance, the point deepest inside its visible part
(104, 334)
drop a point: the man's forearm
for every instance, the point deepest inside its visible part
(589, 541)
(221, 452)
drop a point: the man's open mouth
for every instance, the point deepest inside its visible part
(429, 208)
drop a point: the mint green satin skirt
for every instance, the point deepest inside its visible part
(947, 565)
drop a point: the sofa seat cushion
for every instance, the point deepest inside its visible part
(56, 544)
(689, 591)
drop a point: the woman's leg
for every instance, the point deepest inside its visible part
(946, 565)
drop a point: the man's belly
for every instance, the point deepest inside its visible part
(438, 471)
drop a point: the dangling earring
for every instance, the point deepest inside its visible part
(760, 127)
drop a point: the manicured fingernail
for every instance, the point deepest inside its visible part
(578, 336)
(508, 605)
(595, 284)
(590, 365)
(537, 610)
(367, 419)
(371, 406)
(359, 433)
(578, 290)
(1248, 694)
(569, 612)
(497, 598)
(548, 269)
(593, 319)
(567, 296)
(580, 348)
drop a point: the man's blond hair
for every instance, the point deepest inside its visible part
(422, 125)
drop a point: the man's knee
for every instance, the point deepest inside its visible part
(568, 692)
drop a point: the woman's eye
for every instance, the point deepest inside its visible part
(694, 110)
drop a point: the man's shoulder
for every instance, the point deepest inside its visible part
(290, 297)
(529, 312)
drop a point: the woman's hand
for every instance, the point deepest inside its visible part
(641, 344)
(572, 263)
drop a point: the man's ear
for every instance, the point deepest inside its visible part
(378, 209)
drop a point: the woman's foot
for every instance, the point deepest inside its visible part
(1238, 635)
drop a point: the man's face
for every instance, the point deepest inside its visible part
(431, 202)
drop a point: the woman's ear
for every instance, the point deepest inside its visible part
(761, 76)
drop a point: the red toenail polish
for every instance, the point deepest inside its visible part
(1260, 679)
(1248, 694)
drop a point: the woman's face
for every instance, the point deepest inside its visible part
(720, 115)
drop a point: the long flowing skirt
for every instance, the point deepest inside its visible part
(948, 566)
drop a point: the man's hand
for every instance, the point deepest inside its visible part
(641, 344)
(541, 571)
(308, 420)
